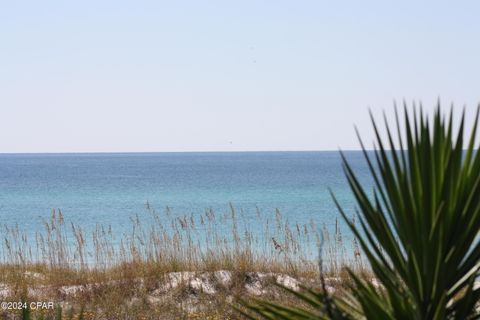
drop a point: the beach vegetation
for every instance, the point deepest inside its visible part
(418, 228)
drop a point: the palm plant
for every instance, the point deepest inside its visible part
(418, 229)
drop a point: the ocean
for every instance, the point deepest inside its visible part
(111, 188)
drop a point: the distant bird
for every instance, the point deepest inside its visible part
(277, 245)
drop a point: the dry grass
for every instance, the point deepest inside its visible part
(122, 271)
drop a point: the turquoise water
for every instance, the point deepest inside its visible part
(110, 188)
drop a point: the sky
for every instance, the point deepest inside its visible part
(143, 76)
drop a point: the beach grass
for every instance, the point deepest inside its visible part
(103, 275)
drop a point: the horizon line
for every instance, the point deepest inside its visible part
(193, 151)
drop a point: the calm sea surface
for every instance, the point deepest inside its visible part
(110, 188)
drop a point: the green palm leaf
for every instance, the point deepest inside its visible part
(419, 228)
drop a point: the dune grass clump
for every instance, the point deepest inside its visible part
(168, 242)
(113, 275)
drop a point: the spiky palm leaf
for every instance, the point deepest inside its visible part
(419, 229)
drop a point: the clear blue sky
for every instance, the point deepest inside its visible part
(224, 75)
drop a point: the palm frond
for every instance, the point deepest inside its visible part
(419, 229)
